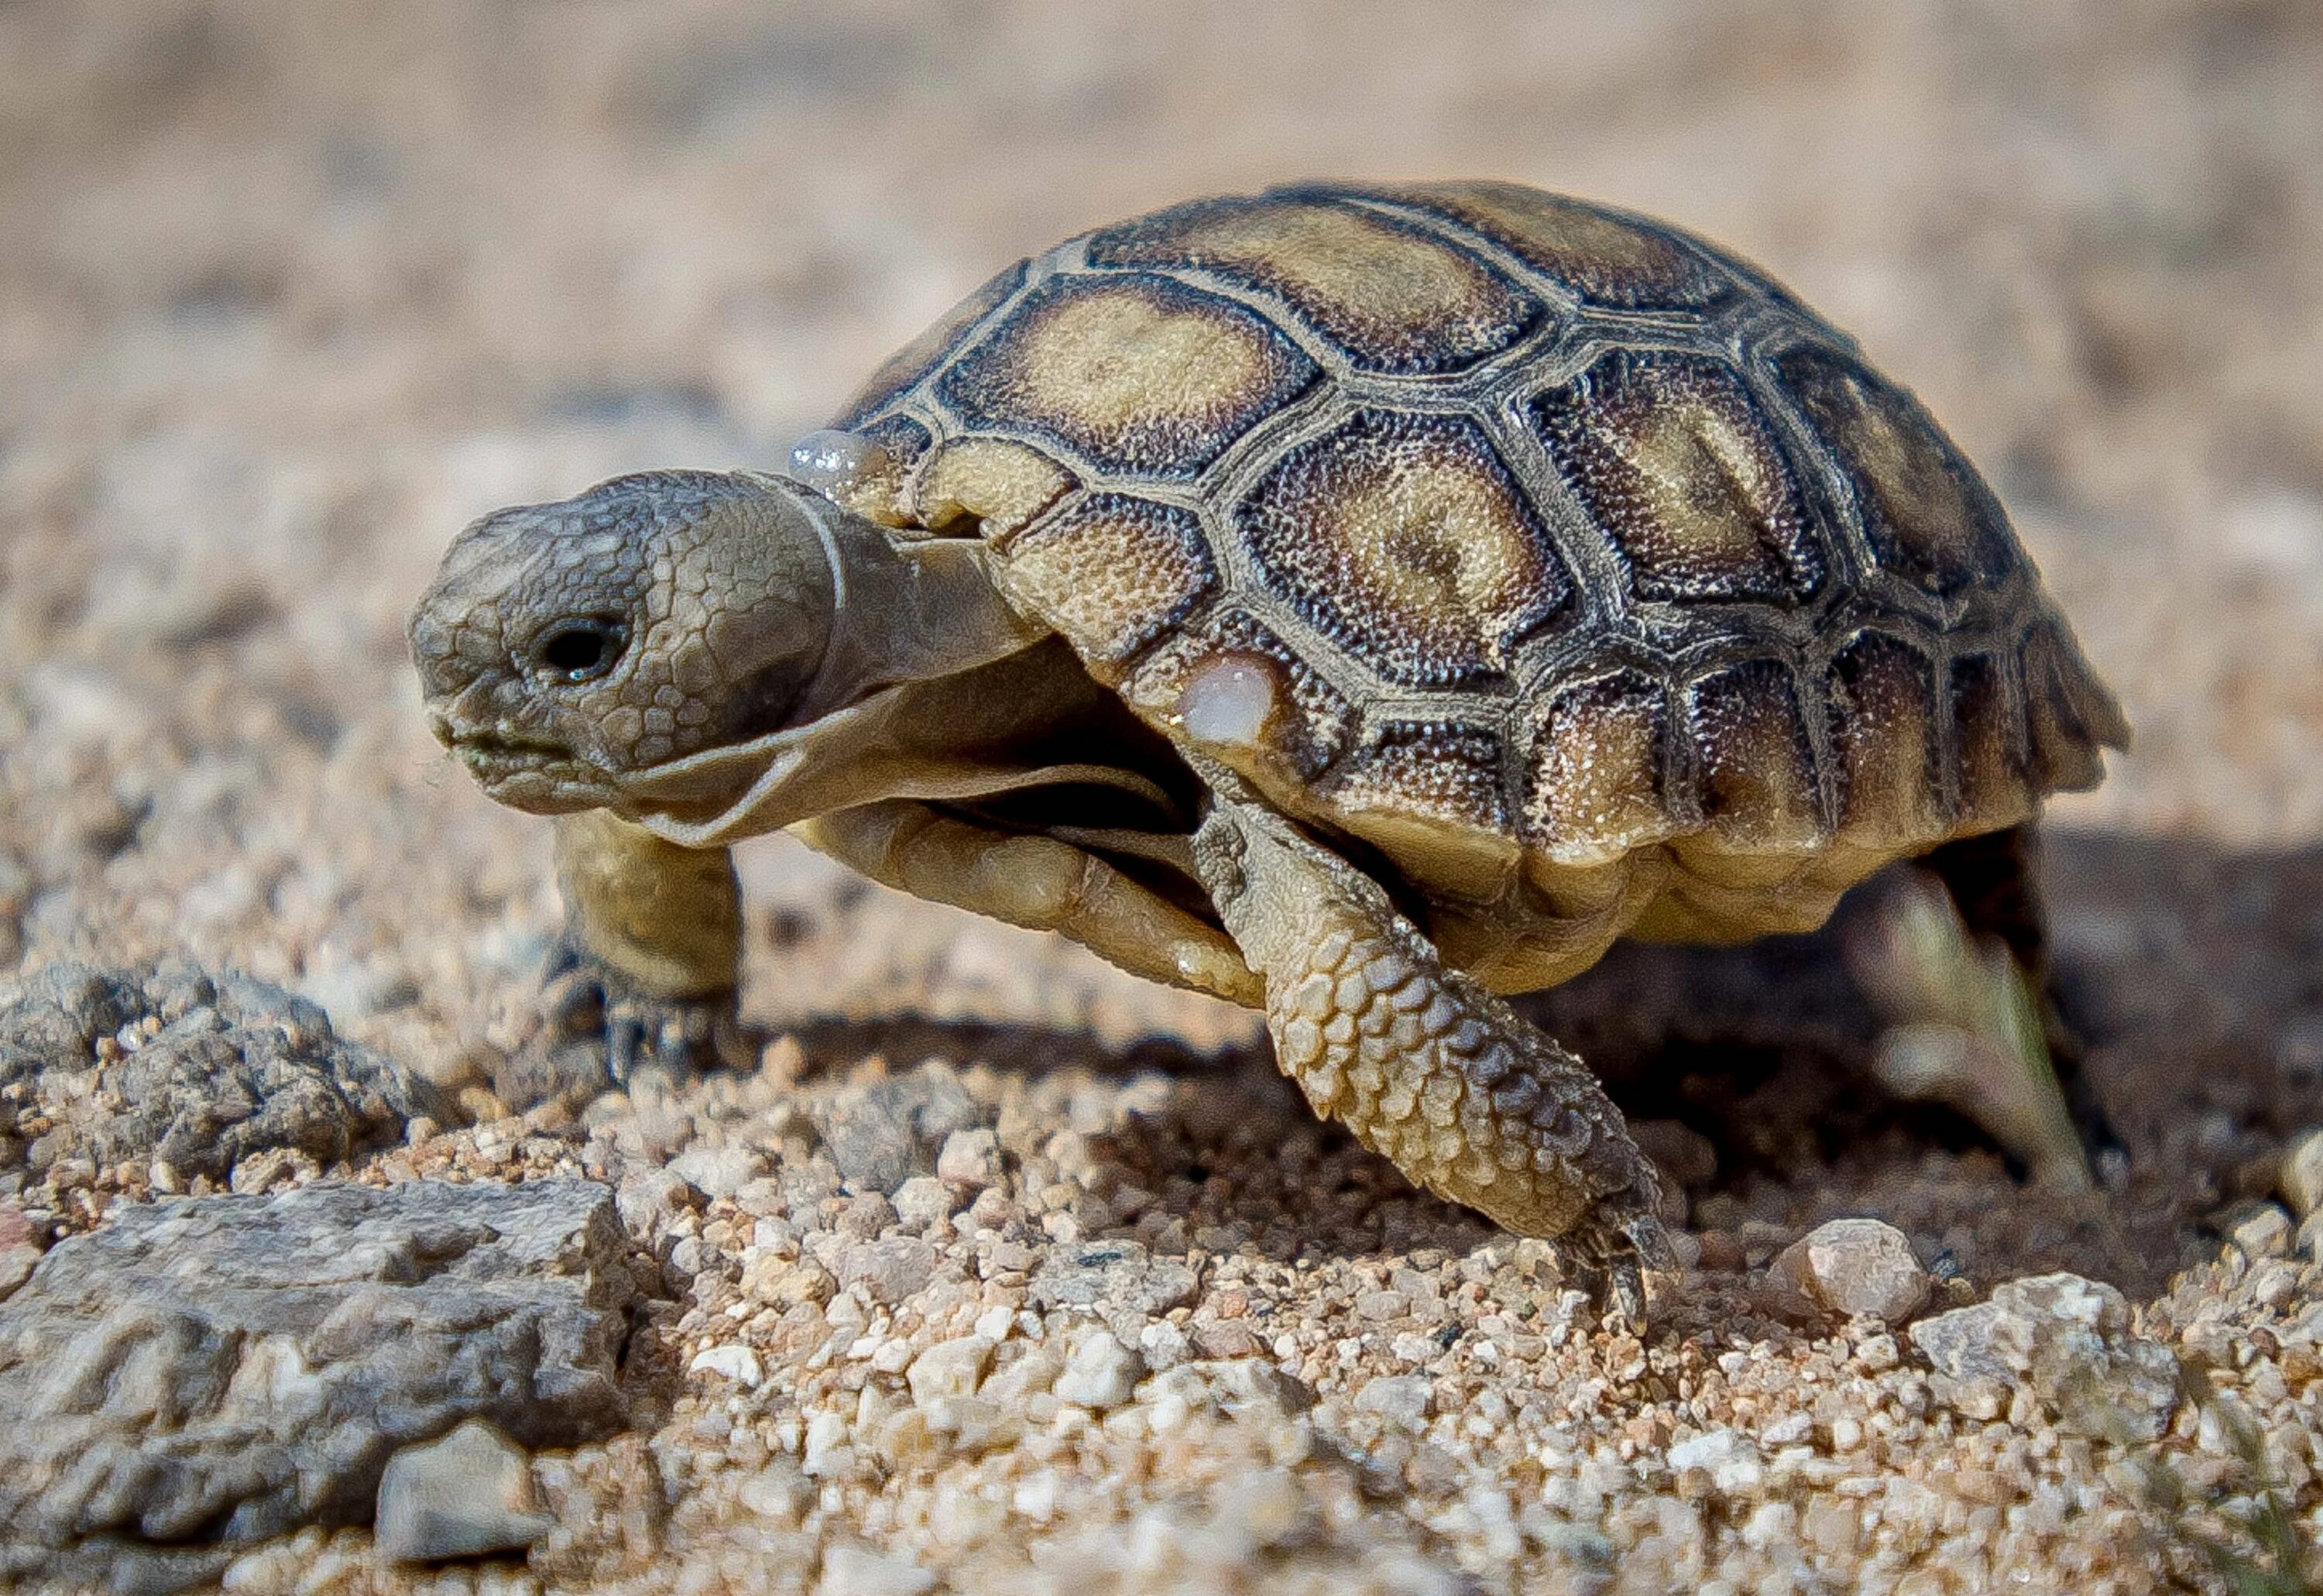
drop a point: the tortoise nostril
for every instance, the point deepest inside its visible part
(577, 650)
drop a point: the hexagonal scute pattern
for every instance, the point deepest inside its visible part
(1113, 572)
(1597, 784)
(1989, 741)
(1392, 298)
(1406, 539)
(1673, 460)
(1136, 372)
(1885, 737)
(1758, 771)
(1427, 770)
(1600, 256)
(1526, 540)
(1929, 517)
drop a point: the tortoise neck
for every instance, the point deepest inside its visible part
(905, 607)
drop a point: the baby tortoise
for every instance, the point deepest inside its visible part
(1354, 601)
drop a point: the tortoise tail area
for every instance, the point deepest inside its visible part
(2071, 716)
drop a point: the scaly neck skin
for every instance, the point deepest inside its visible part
(905, 608)
(931, 686)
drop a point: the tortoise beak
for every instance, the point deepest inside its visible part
(538, 778)
(516, 762)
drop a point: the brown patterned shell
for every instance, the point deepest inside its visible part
(1564, 559)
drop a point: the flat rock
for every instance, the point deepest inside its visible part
(224, 1369)
(888, 1269)
(20, 1248)
(193, 1069)
(2067, 1341)
(465, 1495)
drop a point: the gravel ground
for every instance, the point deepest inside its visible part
(1006, 1271)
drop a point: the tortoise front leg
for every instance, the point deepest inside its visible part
(1424, 1065)
(650, 961)
(1039, 882)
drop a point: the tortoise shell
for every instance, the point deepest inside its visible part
(1566, 561)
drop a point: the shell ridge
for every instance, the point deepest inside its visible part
(1416, 203)
(1277, 275)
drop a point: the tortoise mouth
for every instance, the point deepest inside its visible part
(534, 773)
(495, 747)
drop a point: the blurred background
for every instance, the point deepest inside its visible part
(290, 289)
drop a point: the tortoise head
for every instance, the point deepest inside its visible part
(564, 649)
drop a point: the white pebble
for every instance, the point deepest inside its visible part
(1101, 1373)
(950, 1368)
(731, 1359)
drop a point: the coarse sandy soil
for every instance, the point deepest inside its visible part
(290, 292)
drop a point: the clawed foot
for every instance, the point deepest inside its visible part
(1607, 1261)
(599, 1029)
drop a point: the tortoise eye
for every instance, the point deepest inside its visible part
(577, 650)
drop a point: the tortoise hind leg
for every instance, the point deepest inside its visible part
(1423, 1064)
(1994, 881)
(1955, 961)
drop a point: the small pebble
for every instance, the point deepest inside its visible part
(731, 1359)
(1851, 1268)
(1101, 1373)
(948, 1369)
(969, 1158)
(2259, 1230)
(1404, 1400)
(827, 1453)
(1729, 1458)
(718, 1171)
(2301, 1180)
(923, 1200)
(853, 1571)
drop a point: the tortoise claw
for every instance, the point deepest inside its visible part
(599, 1029)
(1609, 1264)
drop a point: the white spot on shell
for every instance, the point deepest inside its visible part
(832, 461)
(1228, 702)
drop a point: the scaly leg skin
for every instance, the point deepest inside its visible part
(1965, 1022)
(649, 965)
(1039, 882)
(1424, 1065)
(1994, 881)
